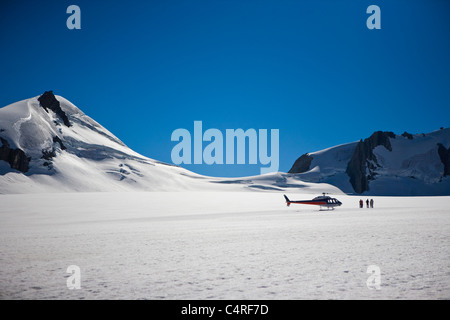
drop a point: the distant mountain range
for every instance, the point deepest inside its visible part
(383, 164)
(47, 144)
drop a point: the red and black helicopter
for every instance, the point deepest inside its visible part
(323, 201)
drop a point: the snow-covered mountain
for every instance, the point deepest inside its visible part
(47, 144)
(383, 164)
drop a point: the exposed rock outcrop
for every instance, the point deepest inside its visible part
(58, 140)
(444, 155)
(16, 158)
(49, 101)
(407, 135)
(361, 168)
(302, 164)
(49, 154)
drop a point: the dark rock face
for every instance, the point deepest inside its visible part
(407, 135)
(363, 163)
(302, 164)
(48, 101)
(51, 153)
(58, 140)
(16, 158)
(444, 155)
(48, 154)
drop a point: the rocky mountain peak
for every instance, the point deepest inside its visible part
(49, 101)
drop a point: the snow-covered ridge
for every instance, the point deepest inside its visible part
(27, 126)
(58, 148)
(383, 164)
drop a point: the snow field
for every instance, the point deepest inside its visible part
(221, 245)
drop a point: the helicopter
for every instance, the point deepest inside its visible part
(323, 201)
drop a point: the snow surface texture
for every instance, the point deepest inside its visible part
(227, 245)
(96, 160)
(412, 168)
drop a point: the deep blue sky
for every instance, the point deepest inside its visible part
(311, 69)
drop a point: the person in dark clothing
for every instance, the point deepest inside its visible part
(371, 203)
(367, 203)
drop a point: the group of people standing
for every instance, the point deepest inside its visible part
(368, 203)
